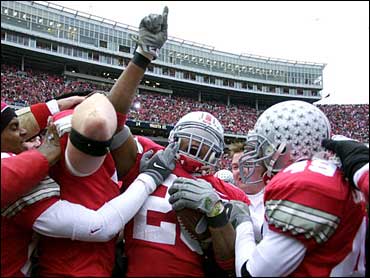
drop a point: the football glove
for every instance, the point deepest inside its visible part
(161, 164)
(152, 34)
(352, 154)
(195, 194)
(237, 212)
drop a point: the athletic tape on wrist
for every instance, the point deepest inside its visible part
(89, 146)
(140, 60)
(120, 138)
(146, 54)
(53, 106)
(219, 220)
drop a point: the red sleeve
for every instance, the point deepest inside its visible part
(363, 184)
(121, 119)
(41, 113)
(20, 173)
(27, 216)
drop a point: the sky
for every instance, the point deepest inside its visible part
(333, 33)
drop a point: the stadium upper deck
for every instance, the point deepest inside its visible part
(38, 28)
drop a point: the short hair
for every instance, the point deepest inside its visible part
(75, 93)
(236, 147)
(85, 93)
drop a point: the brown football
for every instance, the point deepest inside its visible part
(189, 219)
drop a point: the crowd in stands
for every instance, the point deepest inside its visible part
(31, 86)
(350, 120)
(169, 109)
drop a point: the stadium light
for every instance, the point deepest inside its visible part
(137, 105)
(6, 11)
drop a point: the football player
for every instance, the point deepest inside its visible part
(155, 233)
(315, 222)
(96, 182)
(16, 182)
(98, 185)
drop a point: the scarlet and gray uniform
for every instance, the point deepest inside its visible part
(154, 235)
(17, 219)
(316, 225)
(76, 258)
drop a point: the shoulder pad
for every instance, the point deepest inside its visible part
(301, 220)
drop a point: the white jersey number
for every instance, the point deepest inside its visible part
(318, 166)
(166, 231)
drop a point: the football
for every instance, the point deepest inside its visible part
(194, 223)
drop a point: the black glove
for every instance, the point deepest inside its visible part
(161, 164)
(352, 154)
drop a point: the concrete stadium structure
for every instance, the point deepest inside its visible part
(86, 47)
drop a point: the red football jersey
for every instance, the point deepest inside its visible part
(17, 221)
(363, 184)
(154, 243)
(312, 202)
(76, 258)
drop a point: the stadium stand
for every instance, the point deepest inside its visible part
(32, 86)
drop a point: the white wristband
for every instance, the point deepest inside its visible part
(147, 55)
(148, 182)
(53, 106)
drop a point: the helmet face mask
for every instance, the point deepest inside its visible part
(286, 132)
(253, 158)
(200, 137)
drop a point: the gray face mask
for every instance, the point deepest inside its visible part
(203, 146)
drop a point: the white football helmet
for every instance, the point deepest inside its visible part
(225, 175)
(284, 133)
(205, 132)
